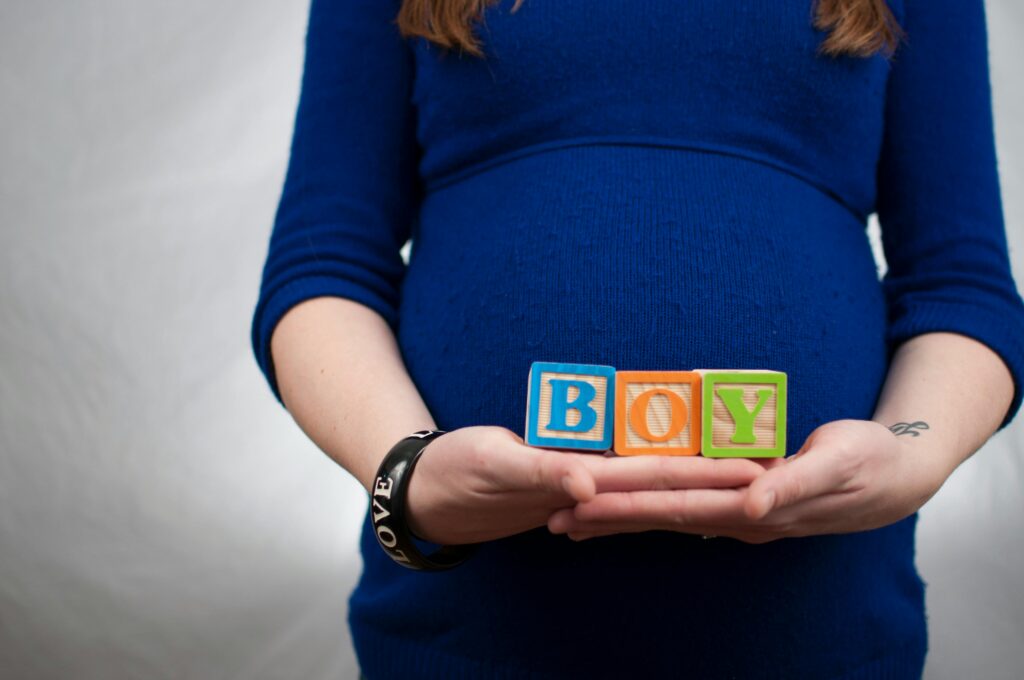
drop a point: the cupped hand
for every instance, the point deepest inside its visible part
(850, 475)
(482, 482)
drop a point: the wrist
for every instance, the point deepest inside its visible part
(927, 460)
(384, 440)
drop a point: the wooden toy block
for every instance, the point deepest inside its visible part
(657, 412)
(569, 406)
(744, 414)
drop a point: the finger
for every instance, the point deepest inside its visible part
(514, 467)
(830, 513)
(563, 522)
(816, 470)
(677, 508)
(578, 482)
(557, 473)
(597, 531)
(640, 473)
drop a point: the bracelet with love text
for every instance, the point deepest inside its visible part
(388, 508)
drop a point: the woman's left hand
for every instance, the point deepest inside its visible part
(850, 475)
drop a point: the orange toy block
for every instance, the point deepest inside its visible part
(657, 412)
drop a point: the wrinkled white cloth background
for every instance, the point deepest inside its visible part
(160, 515)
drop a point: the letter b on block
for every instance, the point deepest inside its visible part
(569, 406)
(657, 412)
(744, 414)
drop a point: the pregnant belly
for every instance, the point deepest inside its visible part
(644, 259)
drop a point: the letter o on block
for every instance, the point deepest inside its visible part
(657, 412)
(678, 414)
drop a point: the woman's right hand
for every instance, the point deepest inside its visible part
(483, 482)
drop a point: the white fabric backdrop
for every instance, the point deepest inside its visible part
(160, 515)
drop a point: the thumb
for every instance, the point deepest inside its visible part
(763, 495)
(564, 475)
(812, 473)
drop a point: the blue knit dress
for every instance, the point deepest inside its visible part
(655, 185)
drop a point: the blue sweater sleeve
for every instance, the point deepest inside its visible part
(939, 202)
(351, 188)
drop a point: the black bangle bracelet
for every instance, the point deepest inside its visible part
(387, 508)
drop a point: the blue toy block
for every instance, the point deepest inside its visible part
(570, 406)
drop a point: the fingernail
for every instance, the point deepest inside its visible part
(566, 483)
(770, 497)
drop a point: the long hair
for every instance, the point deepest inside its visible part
(858, 28)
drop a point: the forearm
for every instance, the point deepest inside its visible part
(342, 378)
(958, 387)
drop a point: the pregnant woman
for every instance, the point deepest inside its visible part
(656, 185)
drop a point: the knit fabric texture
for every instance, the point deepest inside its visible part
(657, 185)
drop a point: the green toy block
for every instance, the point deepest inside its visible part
(744, 414)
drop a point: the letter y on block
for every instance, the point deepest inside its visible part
(744, 414)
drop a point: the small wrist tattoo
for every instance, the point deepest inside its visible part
(909, 428)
